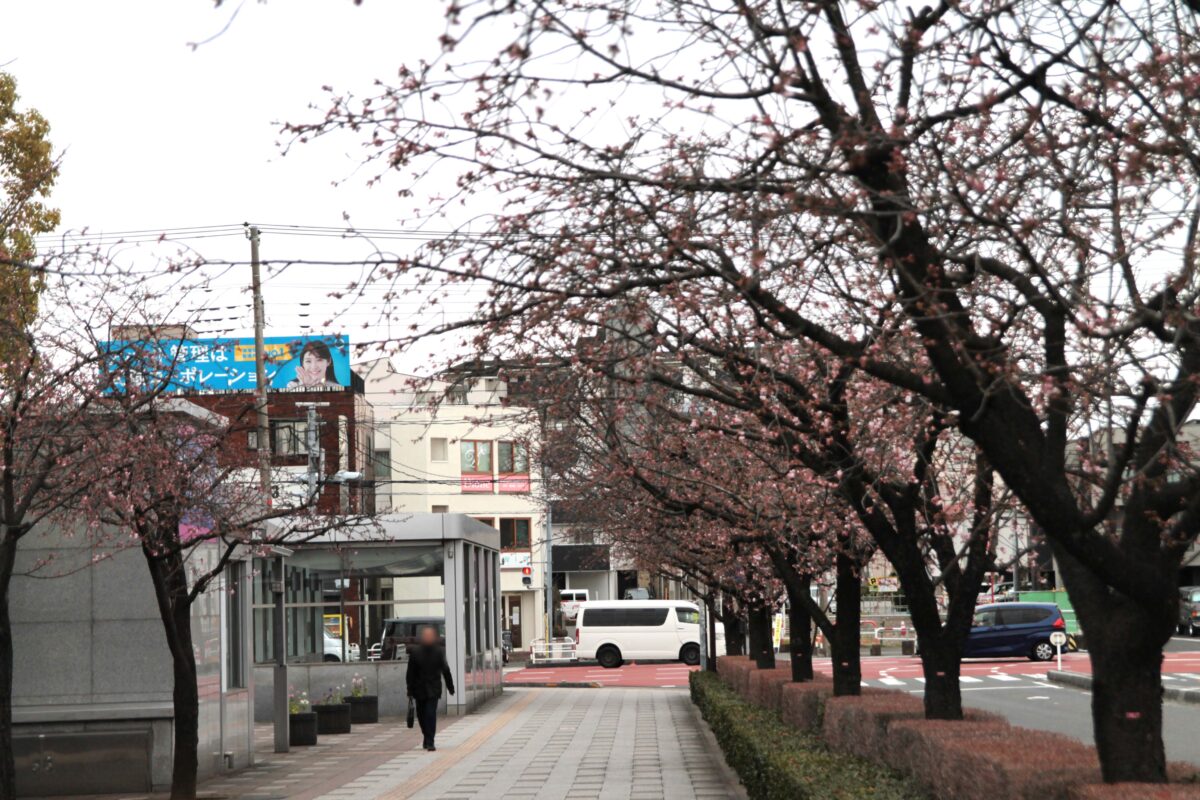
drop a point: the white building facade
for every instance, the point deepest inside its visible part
(454, 446)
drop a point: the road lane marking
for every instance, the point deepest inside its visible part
(1000, 676)
(968, 679)
(890, 681)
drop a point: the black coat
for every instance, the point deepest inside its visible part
(426, 668)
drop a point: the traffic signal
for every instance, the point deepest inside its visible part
(527, 576)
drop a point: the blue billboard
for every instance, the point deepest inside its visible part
(205, 365)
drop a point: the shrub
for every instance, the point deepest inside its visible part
(858, 725)
(765, 686)
(776, 762)
(735, 671)
(802, 704)
(1141, 791)
(917, 746)
(1024, 765)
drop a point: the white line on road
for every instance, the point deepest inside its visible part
(890, 681)
(1000, 676)
(968, 679)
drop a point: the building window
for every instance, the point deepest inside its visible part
(457, 396)
(439, 449)
(383, 466)
(512, 458)
(514, 534)
(476, 457)
(289, 437)
(441, 509)
(235, 653)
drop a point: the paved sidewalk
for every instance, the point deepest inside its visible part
(543, 744)
(539, 744)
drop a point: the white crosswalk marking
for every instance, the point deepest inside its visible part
(920, 680)
(1000, 676)
(968, 679)
(1037, 676)
(1187, 676)
(890, 681)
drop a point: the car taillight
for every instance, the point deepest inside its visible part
(1059, 623)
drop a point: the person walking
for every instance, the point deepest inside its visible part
(426, 668)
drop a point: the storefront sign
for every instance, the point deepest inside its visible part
(516, 560)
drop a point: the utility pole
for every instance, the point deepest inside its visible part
(316, 455)
(260, 372)
(278, 613)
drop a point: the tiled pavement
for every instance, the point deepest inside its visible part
(540, 744)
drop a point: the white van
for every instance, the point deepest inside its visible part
(570, 600)
(611, 631)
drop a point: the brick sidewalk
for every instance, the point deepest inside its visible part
(542, 744)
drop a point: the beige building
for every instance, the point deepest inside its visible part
(454, 446)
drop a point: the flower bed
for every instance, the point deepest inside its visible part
(777, 762)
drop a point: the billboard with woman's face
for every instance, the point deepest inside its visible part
(292, 362)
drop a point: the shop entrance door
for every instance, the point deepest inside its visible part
(512, 618)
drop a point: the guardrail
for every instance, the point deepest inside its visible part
(901, 634)
(544, 650)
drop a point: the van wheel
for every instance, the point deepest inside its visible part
(609, 657)
(690, 654)
(1042, 651)
(330, 657)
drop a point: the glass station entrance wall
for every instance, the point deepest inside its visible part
(341, 602)
(354, 604)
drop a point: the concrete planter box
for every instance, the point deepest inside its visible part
(332, 718)
(364, 710)
(302, 729)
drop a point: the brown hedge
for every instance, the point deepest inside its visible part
(765, 686)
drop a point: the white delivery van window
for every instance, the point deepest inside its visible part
(687, 616)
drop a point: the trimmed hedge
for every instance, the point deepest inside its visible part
(803, 704)
(1141, 791)
(766, 685)
(776, 762)
(861, 725)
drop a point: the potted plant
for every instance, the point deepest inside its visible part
(364, 708)
(333, 712)
(302, 720)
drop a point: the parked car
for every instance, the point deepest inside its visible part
(570, 600)
(400, 633)
(1014, 629)
(611, 631)
(636, 593)
(1189, 610)
(333, 649)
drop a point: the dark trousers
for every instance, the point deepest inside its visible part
(427, 719)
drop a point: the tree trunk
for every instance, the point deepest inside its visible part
(941, 660)
(800, 630)
(844, 645)
(731, 619)
(169, 577)
(1125, 643)
(762, 648)
(1127, 713)
(8, 768)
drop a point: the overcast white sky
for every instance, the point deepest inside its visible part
(156, 135)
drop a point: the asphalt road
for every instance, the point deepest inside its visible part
(1066, 710)
(1183, 644)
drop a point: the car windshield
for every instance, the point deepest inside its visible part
(1195, 597)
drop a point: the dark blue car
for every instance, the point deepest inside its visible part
(1014, 629)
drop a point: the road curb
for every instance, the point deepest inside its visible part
(553, 685)
(1082, 681)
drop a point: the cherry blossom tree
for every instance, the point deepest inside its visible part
(1007, 188)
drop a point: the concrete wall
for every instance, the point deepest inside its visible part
(90, 653)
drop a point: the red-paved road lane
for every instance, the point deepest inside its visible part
(880, 670)
(910, 667)
(659, 675)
